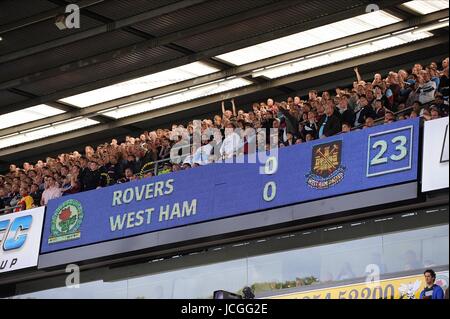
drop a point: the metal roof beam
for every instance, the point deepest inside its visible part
(399, 13)
(58, 105)
(243, 70)
(229, 95)
(61, 106)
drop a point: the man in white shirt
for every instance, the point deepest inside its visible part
(203, 153)
(52, 191)
(232, 142)
(427, 88)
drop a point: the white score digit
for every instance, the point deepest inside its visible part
(272, 187)
(401, 148)
(271, 166)
(379, 159)
(383, 146)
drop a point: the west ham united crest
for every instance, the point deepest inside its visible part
(326, 168)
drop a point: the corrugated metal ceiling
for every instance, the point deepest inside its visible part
(9, 98)
(14, 10)
(277, 20)
(189, 17)
(176, 21)
(65, 54)
(40, 32)
(119, 9)
(100, 71)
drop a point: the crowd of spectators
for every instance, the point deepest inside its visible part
(419, 92)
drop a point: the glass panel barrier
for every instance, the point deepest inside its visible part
(323, 256)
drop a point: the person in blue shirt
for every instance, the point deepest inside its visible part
(431, 290)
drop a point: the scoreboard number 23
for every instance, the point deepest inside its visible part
(390, 151)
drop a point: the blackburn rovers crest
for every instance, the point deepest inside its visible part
(326, 168)
(66, 222)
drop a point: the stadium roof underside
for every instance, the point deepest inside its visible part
(135, 65)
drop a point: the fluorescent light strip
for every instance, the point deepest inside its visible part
(145, 83)
(432, 27)
(427, 6)
(373, 39)
(344, 54)
(45, 131)
(325, 52)
(176, 98)
(405, 30)
(28, 115)
(310, 38)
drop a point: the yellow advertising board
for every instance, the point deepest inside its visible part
(397, 288)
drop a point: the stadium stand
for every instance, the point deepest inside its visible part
(419, 92)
